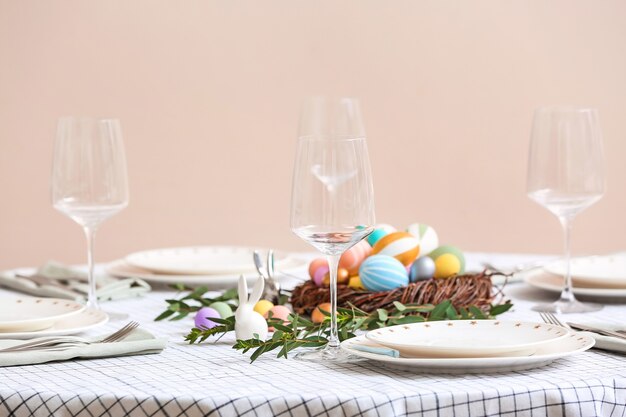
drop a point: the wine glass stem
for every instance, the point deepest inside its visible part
(333, 265)
(567, 295)
(92, 298)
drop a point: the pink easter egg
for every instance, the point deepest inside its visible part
(203, 317)
(278, 312)
(318, 276)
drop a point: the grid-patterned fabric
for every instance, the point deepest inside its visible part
(213, 379)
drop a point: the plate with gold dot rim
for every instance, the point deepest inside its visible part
(22, 314)
(87, 319)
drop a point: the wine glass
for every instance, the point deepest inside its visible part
(89, 181)
(332, 201)
(566, 176)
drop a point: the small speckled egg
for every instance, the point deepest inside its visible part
(317, 316)
(342, 277)
(401, 245)
(426, 236)
(355, 283)
(449, 261)
(352, 258)
(423, 268)
(263, 306)
(382, 273)
(221, 307)
(375, 236)
(204, 316)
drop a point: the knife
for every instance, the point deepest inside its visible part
(604, 332)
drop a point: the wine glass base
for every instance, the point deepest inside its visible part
(328, 354)
(567, 307)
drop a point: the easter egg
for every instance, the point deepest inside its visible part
(352, 258)
(355, 283)
(263, 306)
(386, 227)
(423, 268)
(221, 307)
(426, 236)
(382, 273)
(320, 273)
(203, 317)
(452, 261)
(375, 236)
(279, 312)
(401, 245)
(317, 316)
(315, 265)
(342, 277)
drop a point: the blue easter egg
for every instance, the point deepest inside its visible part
(383, 273)
(376, 235)
(423, 268)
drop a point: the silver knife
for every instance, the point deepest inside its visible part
(598, 330)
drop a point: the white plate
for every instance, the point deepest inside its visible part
(81, 322)
(24, 314)
(467, 338)
(121, 268)
(595, 271)
(554, 283)
(574, 343)
(201, 260)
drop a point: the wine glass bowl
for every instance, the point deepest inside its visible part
(566, 176)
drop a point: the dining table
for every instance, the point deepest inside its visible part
(213, 379)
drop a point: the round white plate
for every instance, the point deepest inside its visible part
(78, 323)
(467, 338)
(121, 268)
(545, 354)
(595, 271)
(554, 283)
(201, 260)
(27, 314)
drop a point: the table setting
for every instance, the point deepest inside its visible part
(376, 319)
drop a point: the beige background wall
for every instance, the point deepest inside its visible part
(209, 91)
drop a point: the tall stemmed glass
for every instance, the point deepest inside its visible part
(332, 201)
(89, 180)
(566, 175)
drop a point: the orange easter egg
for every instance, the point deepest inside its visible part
(317, 316)
(352, 258)
(342, 277)
(401, 245)
(315, 265)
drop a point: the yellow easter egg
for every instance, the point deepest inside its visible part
(447, 265)
(355, 283)
(401, 245)
(263, 306)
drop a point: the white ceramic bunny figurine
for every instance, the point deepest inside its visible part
(247, 321)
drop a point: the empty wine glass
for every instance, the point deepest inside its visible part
(566, 176)
(89, 180)
(332, 201)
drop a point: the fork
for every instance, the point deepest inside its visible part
(552, 319)
(271, 291)
(51, 343)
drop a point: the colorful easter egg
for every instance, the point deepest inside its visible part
(375, 236)
(401, 245)
(203, 317)
(352, 258)
(342, 277)
(386, 227)
(263, 306)
(449, 261)
(382, 273)
(426, 236)
(423, 268)
(316, 264)
(221, 307)
(279, 312)
(355, 283)
(317, 316)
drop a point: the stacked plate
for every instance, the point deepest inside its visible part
(468, 346)
(28, 317)
(215, 267)
(593, 276)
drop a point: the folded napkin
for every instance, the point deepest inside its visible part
(613, 344)
(138, 342)
(59, 281)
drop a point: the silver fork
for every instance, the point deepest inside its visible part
(550, 318)
(65, 342)
(271, 291)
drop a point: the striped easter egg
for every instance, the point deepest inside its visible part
(401, 245)
(382, 273)
(352, 258)
(426, 236)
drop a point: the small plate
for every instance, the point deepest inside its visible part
(78, 323)
(467, 338)
(554, 283)
(594, 271)
(545, 354)
(200, 260)
(27, 314)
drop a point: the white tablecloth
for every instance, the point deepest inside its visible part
(213, 379)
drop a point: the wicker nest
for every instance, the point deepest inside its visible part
(462, 290)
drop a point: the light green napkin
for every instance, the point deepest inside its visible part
(59, 281)
(138, 342)
(613, 344)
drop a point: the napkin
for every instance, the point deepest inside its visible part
(59, 281)
(138, 342)
(613, 344)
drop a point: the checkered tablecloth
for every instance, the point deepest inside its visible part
(213, 379)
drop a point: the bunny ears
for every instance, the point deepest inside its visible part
(257, 291)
